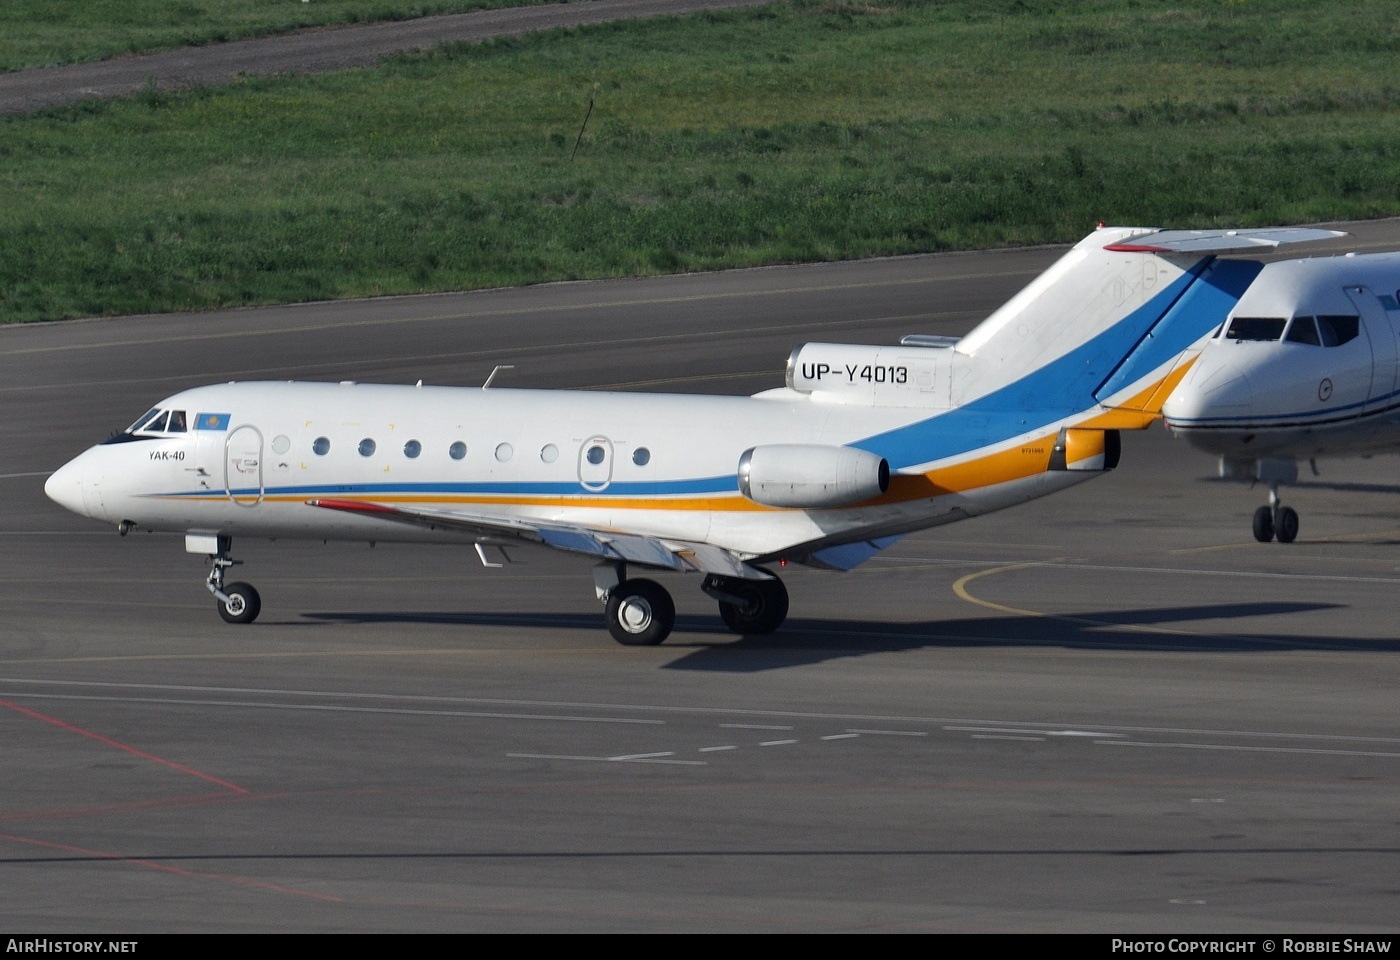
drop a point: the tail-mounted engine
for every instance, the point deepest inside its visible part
(1079, 448)
(910, 375)
(811, 475)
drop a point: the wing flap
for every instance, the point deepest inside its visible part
(678, 555)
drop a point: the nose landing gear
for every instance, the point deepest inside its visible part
(237, 602)
(1275, 520)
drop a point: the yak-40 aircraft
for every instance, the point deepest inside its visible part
(863, 445)
(1306, 366)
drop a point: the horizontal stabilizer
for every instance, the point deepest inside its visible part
(1219, 241)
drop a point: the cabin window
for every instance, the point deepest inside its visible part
(1337, 330)
(321, 446)
(596, 455)
(457, 451)
(504, 452)
(1256, 328)
(549, 453)
(641, 456)
(412, 449)
(1303, 330)
(366, 447)
(281, 444)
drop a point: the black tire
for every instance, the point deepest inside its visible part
(764, 609)
(1263, 524)
(640, 613)
(1286, 525)
(243, 605)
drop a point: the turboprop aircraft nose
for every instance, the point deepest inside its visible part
(65, 487)
(1213, 391)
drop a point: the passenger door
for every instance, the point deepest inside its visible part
(243, 466)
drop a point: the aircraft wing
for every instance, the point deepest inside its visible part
(606, 544)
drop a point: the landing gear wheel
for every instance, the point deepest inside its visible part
(243, 604)
(640, 613)
(1264, 524)
(1286, 524)
(764, 609)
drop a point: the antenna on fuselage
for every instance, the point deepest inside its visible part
(499, 368)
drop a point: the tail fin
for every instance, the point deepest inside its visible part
(1105, 326)
(1096, 342)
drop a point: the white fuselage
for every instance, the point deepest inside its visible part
(865, 443)
(667, 467)
(1305, 366)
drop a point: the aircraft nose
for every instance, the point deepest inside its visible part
(1214, 391)
(65, 487)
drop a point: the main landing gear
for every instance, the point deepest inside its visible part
(237, 602)
(749, 607)
(641, 613)
(1275, 520)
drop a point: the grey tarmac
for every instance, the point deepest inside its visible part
(1106, 711)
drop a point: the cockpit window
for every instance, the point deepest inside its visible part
(1337, 330)
(1256, 328)
(1303, 330)
(160, 421)
(156, 423)
(143, 419)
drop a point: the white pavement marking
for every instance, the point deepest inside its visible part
(993, 736)
(888, 733)
(1115, 568)
(328, 708)
(978, 723)
(1242, 747)
(638, 759)
(1088, 734)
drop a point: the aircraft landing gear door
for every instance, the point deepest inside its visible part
(595, 463)
(1383, 345)
(243, 466)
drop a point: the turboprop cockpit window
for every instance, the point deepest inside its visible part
(1256, 328)
(1303, 330)
(1337, 330)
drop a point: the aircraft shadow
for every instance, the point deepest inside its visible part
(814, 640)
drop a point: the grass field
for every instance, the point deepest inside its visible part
(41, 33)
(806, 130)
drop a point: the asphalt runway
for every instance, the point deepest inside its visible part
(1108, 710)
